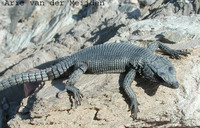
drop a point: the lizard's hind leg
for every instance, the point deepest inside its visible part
(79, 70)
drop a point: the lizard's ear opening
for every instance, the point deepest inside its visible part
(162, 75)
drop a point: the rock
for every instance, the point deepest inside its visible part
(134, 14)
(171, 8)
(20, 12)
(104, 104)
(36, 29)
(191, 97)
(185, 27)
(133, 1)
(147, 2)
(3, 33)
(172, 37)
(126, 8)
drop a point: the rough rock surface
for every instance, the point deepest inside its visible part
(163, 8)
(67, 29)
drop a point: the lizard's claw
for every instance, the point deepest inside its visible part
(58, 94)
(134, 109)
(176, 53)
(77, 97)
(76, 94)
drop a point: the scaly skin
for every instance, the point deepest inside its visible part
(108, 58)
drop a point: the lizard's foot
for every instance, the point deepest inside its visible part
(77, 94)
(176, 53)
(134, 109)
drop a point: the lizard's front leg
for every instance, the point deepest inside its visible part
(79, 70)
(174, 53)
(130, 76)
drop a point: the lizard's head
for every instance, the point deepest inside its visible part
(162, 71)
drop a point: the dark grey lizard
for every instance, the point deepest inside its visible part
(109, 58)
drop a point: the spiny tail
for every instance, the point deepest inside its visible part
(37, 76)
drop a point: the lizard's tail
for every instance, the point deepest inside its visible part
(36, 76)
(27, 77)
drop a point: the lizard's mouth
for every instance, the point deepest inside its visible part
(168, 83)
(174, 85)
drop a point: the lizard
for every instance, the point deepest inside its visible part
(108, 58)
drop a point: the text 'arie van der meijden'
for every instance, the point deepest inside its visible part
(54, 3)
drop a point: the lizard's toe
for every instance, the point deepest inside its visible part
(77, 97)
(176, 54)
(134, 109)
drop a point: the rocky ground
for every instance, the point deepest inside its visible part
(52, 32)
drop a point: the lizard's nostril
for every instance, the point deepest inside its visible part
(175, 85)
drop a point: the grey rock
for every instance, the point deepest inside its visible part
(136, 13)
(126, 8)
(147, 2)
(131, 10)
(170, 8)
(186, 27)
(38, 27)
(20, 12)
(172, 36)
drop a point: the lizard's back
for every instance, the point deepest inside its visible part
(109, 58)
